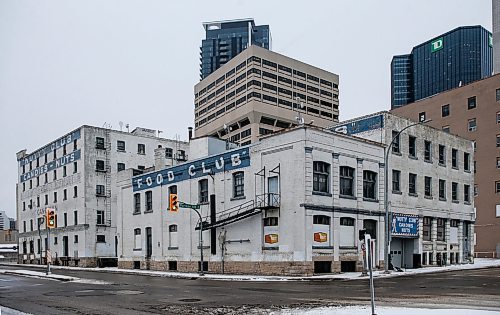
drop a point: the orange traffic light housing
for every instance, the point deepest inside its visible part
(173, 202)
(50, 218)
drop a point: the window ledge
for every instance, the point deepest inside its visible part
(137, 249)
(322, 247)
(441, 164)
(413, 157)
(136, 213)
(428, 197)
(270, 248)
(455, 167)
(347, 197)
(370, 199)
(173, 247)
(467, 203)
(396, 153)
(148, 211)
(413, 194)
(203, 203)
(455, 201)
(118, 150)
(398, 192)
(467, 171)
(442, 199)
(238, 198)
(321, 193)
(428, 161)
(348, 247)
(141, 153)
(100, 171)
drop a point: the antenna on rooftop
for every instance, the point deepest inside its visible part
(121, 124)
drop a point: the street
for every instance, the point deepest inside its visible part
(111, 293)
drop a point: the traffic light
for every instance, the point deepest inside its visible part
(174, 203)
(50, 217)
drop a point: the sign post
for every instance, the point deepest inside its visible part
(369, 255)
(195, 209)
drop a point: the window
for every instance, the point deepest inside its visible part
(46, 178)
(442, 155)
(75, 167)
(99, 143)
(427, 228)
(395, 143)
(65, 194)
(412, 149)
(238, 184)
(498, 141)
(55, 174)
(75, 217)
(137, 239)
(346, 181)
(467, 161)
(412, 184)
(498, 162)
(55, 196)
(137, 203)
(369, 184)
(440, 229)
(471, 102)
(371, 228)
(472, 124)
(75, 191)
(99, 165)
(442, 189)
(427, 151)
(99, 190)
(65, 172)
(101, 239)
(347, 221)
(498, 95)
(120, 167)
(46, 199)
(321, 219)
(445, 110)
(149, 201)
(141, 148)
(396, 177)
(321, 173)
(203, 191)
(428, 186)
(454, 158)
(497, 187)
(498, 118)
(173, 240)
(65, 219)
(446, 129)
(169, 153)
(120, 145)
(76, 239)
(454, 191)
(467, 193)
(75, 146)
(100, 217)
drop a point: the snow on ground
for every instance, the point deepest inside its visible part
(9, 311)
(478, 263)
(365, 310)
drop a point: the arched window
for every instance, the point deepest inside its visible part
(346, 181)
(321, 175)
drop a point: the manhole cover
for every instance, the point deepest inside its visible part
(190, 300)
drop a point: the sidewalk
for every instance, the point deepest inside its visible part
(479, 263)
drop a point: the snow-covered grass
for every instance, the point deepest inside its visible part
(365, 310)
(478, 263)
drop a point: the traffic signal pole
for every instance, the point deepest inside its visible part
(47, 252)
(201, 241)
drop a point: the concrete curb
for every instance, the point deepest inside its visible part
(161, 274)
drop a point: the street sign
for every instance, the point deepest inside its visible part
(187, 205)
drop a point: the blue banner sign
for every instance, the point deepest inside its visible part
(51, 147)
(219, 163)
(63, 160)
(370, 123)
(405, 225)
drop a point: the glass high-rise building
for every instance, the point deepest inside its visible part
(226, 39)
(447, 61)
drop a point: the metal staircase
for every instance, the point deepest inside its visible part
(240, 212)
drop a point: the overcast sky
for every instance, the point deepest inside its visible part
(68, 63)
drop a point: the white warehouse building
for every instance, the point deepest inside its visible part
(431, 176)
(76, 175)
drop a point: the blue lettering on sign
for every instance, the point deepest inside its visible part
(224, 162)
(51, 147)
(63, 160)
(371, 123)
(404, 225)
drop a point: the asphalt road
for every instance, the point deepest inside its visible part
(135, 294)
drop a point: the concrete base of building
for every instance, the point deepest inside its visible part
(86, 262)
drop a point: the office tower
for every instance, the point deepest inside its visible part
(226, 39)
(447, 61)
(496, 35)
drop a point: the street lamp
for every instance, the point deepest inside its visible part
(387, 244)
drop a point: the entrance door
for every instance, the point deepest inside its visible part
(396, 252)
(149, 242)
(273, 190)
(65, 246)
